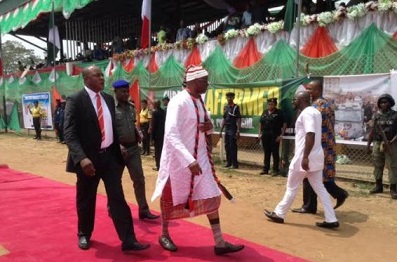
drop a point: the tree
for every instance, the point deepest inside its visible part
(14, 52)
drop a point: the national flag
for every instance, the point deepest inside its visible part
(290, 15)
(146, 16)
(53, 41)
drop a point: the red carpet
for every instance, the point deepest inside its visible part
(38, 223)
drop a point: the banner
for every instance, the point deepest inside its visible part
(44, 100)
(355, 101)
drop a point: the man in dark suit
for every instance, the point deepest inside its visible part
(94, 154)
(156, 129)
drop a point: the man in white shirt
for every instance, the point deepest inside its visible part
(308, 161)
(187, 182)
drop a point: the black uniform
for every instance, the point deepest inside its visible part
(271, 126)
(230, 117)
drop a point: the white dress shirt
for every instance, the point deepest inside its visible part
(106, 117)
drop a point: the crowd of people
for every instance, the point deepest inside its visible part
(105, 140)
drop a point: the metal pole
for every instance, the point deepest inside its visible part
(298, 36)
(3, 85)
(53, 49)
(150, 39)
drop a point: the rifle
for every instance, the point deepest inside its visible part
(386, 143)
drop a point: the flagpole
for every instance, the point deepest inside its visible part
(55, 42)
(150, 40)
(298, 37)
(3, 85)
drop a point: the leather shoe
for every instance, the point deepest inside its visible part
(274, 217)
(148, 215)
(264, 173)
(155, 169)
(341, 200)
(167, 244)
(328, 224)
(302, 210)
(84, 242)
(227, 166)
(134, 246)
(228, 248)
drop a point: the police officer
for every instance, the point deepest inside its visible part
(129, 137)
(231, 122)
(273, 124)
(384, 135)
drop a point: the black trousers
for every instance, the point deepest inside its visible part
(146, 138)
(37, 126)
(310, 197)
(158, 148)
(110, 171)
(271, 148)
(231, 149)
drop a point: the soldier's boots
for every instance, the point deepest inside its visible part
(393, 191)
(378, 187)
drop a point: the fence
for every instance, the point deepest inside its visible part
(353, 162)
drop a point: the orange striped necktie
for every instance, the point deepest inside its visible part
(101, 121)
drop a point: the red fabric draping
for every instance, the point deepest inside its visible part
(194, 57)
(320, 44)
(395, 35)
(128, 65)
(248, 56)
(55, 96)
(134, 95)
(152, 64)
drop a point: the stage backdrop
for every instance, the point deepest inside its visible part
(44, 100)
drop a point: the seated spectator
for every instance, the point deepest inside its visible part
(196, 31)
(161, 35)
(232, 21)
(98, 53)
(247, 17)
(183, 32)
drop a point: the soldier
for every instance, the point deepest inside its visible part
(384, 151)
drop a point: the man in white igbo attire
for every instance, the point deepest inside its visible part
(186, 180)
(308, 161)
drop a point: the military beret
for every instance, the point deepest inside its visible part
(230, 94)
(273, 99)
(121, 84)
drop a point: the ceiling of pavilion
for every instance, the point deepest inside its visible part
(168, 12)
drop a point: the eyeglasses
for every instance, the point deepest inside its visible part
(384, 102)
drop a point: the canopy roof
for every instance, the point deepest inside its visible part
(31, 17)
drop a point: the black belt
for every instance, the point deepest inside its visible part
(129, 144)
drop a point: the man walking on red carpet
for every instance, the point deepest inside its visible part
(94, 154)
(187, 180)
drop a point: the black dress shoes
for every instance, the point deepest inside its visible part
(340, 200)
(134, 246)
(84, 242)
(264, 172)
(228, 248)
(302, 210)
(228, 165)
(167, 244)
(328, 224)
(274, 217)
(148, 215)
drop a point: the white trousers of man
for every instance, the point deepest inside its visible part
(294, 181)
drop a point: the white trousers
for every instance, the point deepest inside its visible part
(294, 181)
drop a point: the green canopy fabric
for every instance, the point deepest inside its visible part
(21, 16)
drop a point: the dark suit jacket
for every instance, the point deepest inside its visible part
(158, 124)
(82, 132)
